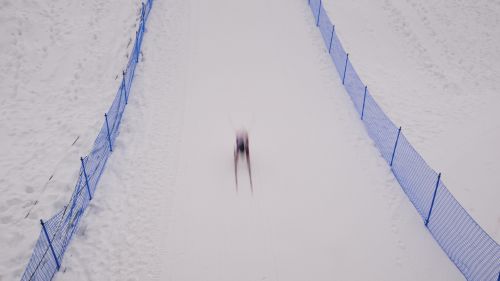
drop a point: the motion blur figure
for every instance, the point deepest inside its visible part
(242, 149)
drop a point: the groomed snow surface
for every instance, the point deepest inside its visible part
(325, 206)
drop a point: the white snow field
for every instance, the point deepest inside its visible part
(325, 205)
(60, 68)
(434, 68)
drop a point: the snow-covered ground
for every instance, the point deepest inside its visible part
(433, 67)
(60, 68)
(325, 204)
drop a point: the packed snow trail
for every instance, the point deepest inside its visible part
(324, 207)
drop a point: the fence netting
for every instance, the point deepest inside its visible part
(56, 232)
(472, 250)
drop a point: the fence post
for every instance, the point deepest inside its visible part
(50, 245)
(395, 145)
(363, 108)
(86, 179)
(123, 88)
(137, 46)
(331, 39)
(143, 11)
(345, 68)
(319, 13)
(109, 135)
(433, 198)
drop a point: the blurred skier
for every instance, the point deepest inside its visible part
(242, 149)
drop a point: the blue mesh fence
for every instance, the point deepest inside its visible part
(337, 53)
(467, 245)
(56, 232)
(417, 179)
(380, 128)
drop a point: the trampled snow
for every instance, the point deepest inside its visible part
(325, 204)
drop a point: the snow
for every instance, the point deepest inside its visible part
(325, 204)
(433, 67)
(59, 70)
(294, 227)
